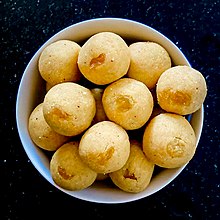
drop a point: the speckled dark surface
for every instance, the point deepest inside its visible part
(194, 26)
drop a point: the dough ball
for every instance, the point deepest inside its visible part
(169, 140)
(105, 147)
(136, 174)
(58, 62)
(68, 170)
(104, 58)
(128, 102)
(69, 108)
(100, 112)
(41, 133)
(181, 90)
(148, 61)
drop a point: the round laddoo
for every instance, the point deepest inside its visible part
(58, 62)
(169, 140)
(104, 58)
(69, 108)
(105, 147)
(128, 102)
(136, 174)
(148, 61)
(41, 133)
(68, 170)
(181, 90)
(100, 112)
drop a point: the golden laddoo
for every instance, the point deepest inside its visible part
(104, 58)
(41, 133)
(137, 172)
(128, 102)
(142, 97)
(100, 112)
(68, 170)
(181, 90)
(148, 61)
(105, 147)
(58, 62)
(169, 140)
(69, 108)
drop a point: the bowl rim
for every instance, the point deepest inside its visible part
(23, 133)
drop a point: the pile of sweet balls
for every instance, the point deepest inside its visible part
(131, 87)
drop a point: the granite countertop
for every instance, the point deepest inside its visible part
(194, 26)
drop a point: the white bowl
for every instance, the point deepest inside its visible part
(31, 92)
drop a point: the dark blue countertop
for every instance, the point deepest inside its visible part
(194, 26)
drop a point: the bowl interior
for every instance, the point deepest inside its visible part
(31, 92)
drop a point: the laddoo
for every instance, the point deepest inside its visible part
(58, 62)
(148, 61)
(169, 140)
(105, 147)
(69, 108)
(128, 102)
(136, 174)
(181, 90)
(104, 58)
(68, 170)
(41, 133)
(100, 114)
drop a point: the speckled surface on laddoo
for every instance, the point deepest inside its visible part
(169, 140)
(181, 90)
(104, 58)
(68, 170)
(136, 174)
(128, 102)
(148, 61)
(58, 62)
(105, 147)
(41, 133)
(69, 108)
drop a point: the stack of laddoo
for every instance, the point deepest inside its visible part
(98, 92)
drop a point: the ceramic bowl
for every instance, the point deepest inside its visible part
(31, 92)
